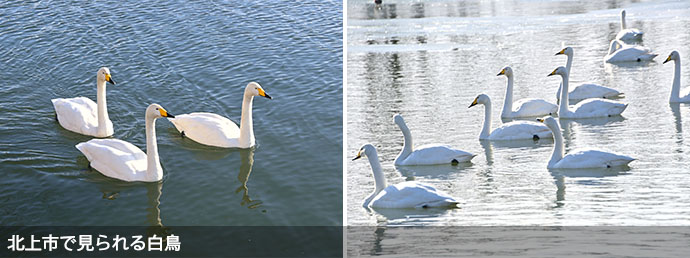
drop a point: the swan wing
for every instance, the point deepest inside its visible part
(520, 130)
(412, 194)
(78, 115)
(433, 154)
(590, 158)
(631, 54)
(208, 128)
(533, 107)
(588, 90)
(115, 158)
(628, 35)
(598, 108)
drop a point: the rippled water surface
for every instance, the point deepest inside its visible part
(186, 57)
(428, 60)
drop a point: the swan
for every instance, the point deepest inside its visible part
(122, 160)
(516, 130)
(587, 108)
(431, 154)
(82, 115)
(409, 194)
(627, 53)
(525, 107)
(675, 90)
(215, 130)
(588, 90)
(584, 158)
(628, 35)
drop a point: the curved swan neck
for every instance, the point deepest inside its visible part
(379, 178)
(675, 90)
(102, 108)
(563, 106)
(154, 172)
(508, 102)
(486, 129)
(246, 139)
(407, 144)
(568, 64)
(558, 151)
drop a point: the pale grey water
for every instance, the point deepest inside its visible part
(428, 61)
(186, 57)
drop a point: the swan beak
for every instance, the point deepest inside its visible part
(473, 103)
(502, 72)
(540, 120)
(165, 113)
(109, 79)
(359, 155)
(552, 73)
(262, 93)
(668, 59)
(561, 53)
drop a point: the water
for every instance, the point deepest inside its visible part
(429, 60)
(186, 57)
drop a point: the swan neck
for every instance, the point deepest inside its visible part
(675, 90)
(154, 172)
(558, 151)
(563, 106)
(508, 102)
(102, 109)
(246, 139)
(569, 63)
(623, 25)
(379, 179)
(486, 129)
(407, 144)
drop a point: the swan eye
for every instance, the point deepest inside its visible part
(156, 108)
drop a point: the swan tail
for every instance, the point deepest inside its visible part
(446, 203)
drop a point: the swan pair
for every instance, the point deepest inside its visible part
(588, 108)
(122, 160)
(628, 35)
(584, 91)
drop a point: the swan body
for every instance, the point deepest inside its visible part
(628, 53)
(525, 107)
(431, 154)
(516, 130)
(122, 160)
(628, 35)
(587, 108)
(584, 158)
(408, 194)
(215, 130)
(82, 115)
(676, 94)
(587, 90)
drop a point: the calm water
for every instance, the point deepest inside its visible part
(429, 60)
(186, 57)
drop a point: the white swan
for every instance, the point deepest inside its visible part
(215, 130)
(587, 108)
(525, 107)
(431, 154)
(675, 90)
(627, 53)
(516, 130)
(82, 115)
(585, 158)
(628, 35)
(409, 194)
(588, 90)
(122, 160)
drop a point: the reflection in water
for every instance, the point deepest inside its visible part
(408, 216)
(378, 237)
(247, 161)
(675, 109)
(431, 171)
(488, 151)
(595, 173)
(111, 191)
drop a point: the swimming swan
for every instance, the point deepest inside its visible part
(627, 53)
(628, 35)
(516, 130)
(524, 107)
(587, 108)
(675, 90)
(82, 115)
(430, 154)
(215, 130)
(409, 194)
(585, 158)
(122, 160)
(588, 90)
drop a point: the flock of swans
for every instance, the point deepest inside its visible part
(596, 102)
(122, 160)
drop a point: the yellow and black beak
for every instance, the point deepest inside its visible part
(552, 73)
(668, 59)
(502, 72)
(165, 113)
(359, 155)
(540, 120)
(109, 79)
(561, 53)
(262, 93)
(473, 103)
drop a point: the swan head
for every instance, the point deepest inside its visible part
(568, 51)
(623, 13)
(254, 89)
(366, 150)
(481, 99)
(560, 71)
(103, 75)
(673, 56)
(507, 71)
(398, 119)
(156, 111)
(549, 121)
